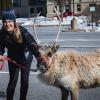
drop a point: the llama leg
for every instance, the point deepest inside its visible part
(74, 94)
(64, 93)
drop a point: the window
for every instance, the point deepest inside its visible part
(40, 10)
(17, 3)
(41, 1)
(67, 8)
(32, 2)
(78, 7)
(55, 8)
(37, 2)
(31, 10)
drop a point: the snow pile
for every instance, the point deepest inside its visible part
(82, 22)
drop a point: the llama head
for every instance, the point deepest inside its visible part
(46, 55)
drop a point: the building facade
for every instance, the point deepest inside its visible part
(5, 4)
(33, 7)
(28, 8)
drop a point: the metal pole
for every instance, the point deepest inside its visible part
(73, 8)
(92, 17)
(92, 20)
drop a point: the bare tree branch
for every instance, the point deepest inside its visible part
(61, 4)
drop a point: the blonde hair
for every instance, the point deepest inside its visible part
(17, 34)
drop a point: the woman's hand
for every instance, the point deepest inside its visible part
(2, 58)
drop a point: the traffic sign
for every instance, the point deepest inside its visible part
(92, 7)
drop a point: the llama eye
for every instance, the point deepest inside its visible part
(49, 54)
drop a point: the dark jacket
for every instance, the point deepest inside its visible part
(20, 52)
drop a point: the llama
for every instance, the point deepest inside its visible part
(69, 70)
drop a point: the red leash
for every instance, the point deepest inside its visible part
(1, 65)
(12, 61)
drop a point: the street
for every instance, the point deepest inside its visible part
(81, 41)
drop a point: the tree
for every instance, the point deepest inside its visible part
(61, 4)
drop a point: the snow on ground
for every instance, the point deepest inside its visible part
(44, 21)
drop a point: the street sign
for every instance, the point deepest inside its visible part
(92, 7)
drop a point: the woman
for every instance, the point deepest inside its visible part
(21, 47)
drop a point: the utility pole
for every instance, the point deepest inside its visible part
(93, 15)
(92, 10)
(73, 21)
(73, 9)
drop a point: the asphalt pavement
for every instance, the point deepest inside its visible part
(80, 41)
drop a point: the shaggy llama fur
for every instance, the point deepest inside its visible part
(73, 70)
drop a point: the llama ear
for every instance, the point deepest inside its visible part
(39, 46)
(52, 50)
(55, 48)
(50, 54)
